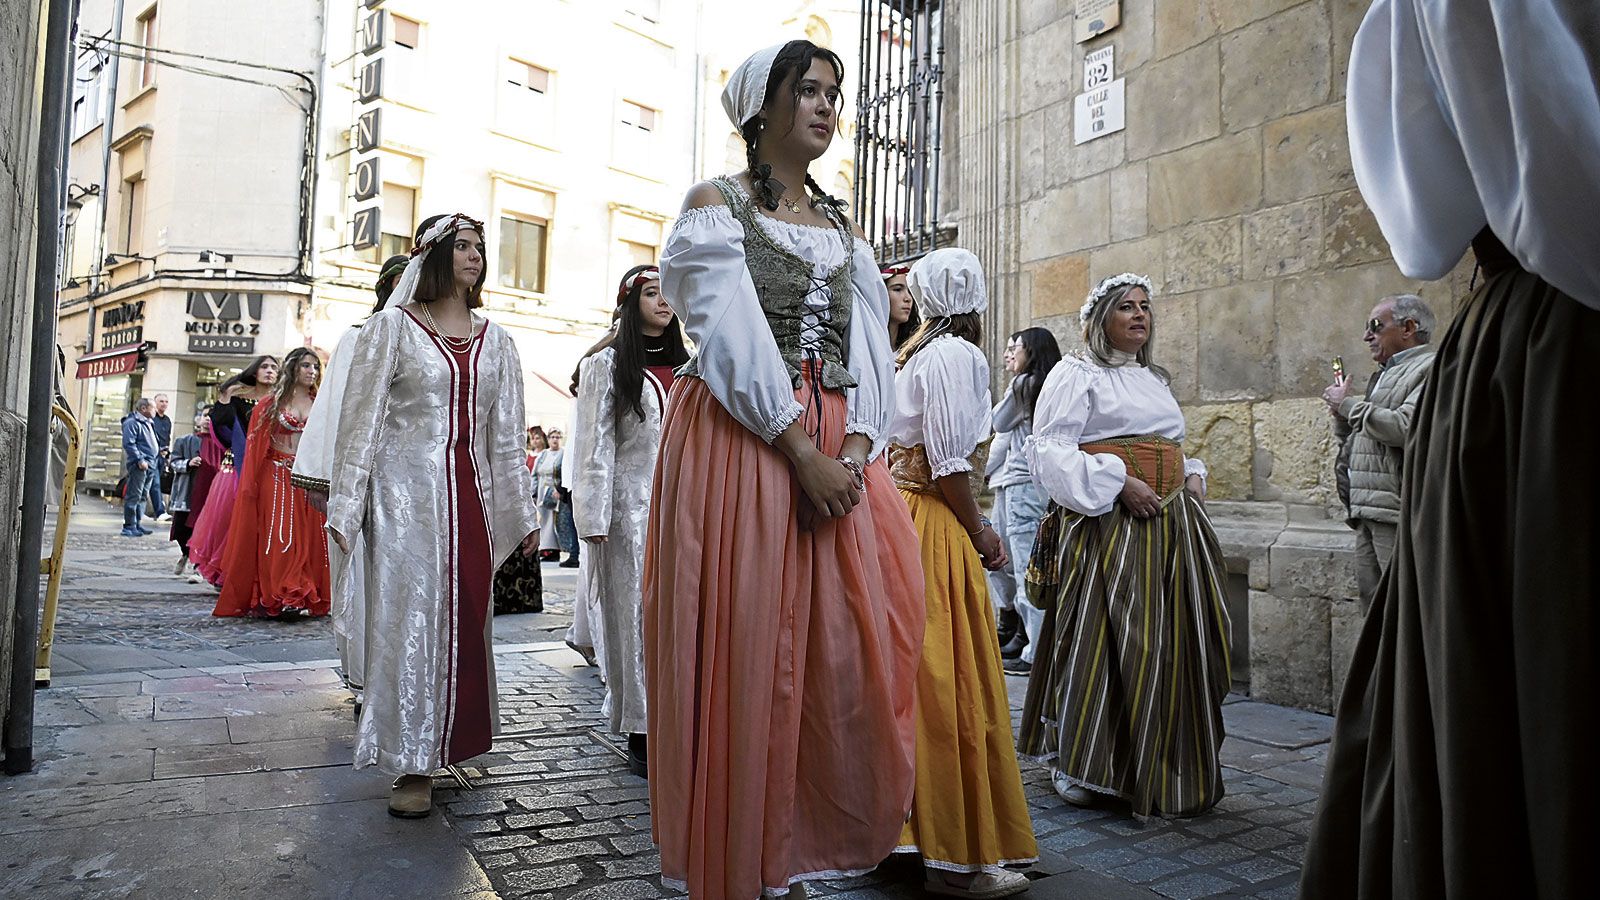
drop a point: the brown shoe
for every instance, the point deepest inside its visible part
(411, 797)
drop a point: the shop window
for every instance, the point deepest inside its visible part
(522, 253)
(145, 29)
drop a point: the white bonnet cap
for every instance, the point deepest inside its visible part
(948, 282)
(747, 86)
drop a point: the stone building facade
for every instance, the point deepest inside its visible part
(1231, 187)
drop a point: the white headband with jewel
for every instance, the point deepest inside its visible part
(1106, 286)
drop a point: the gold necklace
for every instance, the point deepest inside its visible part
(794, 205)
(451, 340)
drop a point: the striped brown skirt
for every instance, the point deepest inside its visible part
(1127, 688)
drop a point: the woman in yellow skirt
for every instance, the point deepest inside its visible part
(969, 818)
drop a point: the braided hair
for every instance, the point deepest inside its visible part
(794, 60)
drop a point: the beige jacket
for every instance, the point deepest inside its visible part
(1377, 427)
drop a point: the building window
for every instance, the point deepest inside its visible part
(146, 29)
(522, 246)
(88, 93)
(407, 32)
(133, 194)
(398, 223)
(897, 158)
(648, 10)
(633, 253)
(403, 60)
(527, 77)
(639, 117)
(526, 104)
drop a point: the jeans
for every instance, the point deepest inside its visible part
(1002, 581)
(158, 503)
(566, 529)
(133, 496)
(1025, 507)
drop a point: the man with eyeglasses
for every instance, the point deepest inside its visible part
(1373, 429)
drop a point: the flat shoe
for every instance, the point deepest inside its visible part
(985, 886)
(411, 797)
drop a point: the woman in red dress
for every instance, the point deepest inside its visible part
(277, 557)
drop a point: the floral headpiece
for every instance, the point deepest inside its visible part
(651, 273)
(1106, 286)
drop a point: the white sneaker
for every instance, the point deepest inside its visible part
(984, 885)
(183, 561)
(1075, 794)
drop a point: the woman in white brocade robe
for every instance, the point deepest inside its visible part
(429, 470)
(616, 433)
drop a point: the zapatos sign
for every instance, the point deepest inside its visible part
(223, 321)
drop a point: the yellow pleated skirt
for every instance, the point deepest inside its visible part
(968, 812)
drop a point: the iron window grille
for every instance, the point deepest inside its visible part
(899, 115)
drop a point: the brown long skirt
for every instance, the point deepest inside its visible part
(1462, 763)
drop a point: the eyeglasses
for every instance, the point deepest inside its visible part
(1376, 326)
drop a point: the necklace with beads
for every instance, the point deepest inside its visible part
(455, 343)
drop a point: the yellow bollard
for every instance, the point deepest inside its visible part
(51, 565)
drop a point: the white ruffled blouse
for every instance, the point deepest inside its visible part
(941, 401)
(1082, 402)
(706, 282)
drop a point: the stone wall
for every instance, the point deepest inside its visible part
(1232, 188)
(20, 21)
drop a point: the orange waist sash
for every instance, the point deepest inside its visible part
(1154, 460)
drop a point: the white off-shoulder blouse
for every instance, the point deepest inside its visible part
(1082, 402)
(706, 282)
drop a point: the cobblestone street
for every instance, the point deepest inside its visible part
(181, 755)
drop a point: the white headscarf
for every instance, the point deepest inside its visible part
(747, 86)
(446, 227)
(948, 282)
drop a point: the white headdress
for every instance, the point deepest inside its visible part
(948, 282)
(1106, 286)
(747, 86)
(437, 232)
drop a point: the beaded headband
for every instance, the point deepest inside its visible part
(1106, 286)
(895, 271)
(444, 228)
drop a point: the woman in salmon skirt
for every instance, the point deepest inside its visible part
(782, 593)
(277, 556)
(970, 818)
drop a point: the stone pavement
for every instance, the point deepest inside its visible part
(180, 755)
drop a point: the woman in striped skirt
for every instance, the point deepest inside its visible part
(1127, 688)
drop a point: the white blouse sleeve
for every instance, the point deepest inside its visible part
(1462, 114)
(871, 401)
(707, 284)
(1086, 483)
(955, 413)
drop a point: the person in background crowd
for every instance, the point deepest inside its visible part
(313, 471)
(566, 528)
(969, 817)
(211, 497)
(903, 318)
(187, 464)
(161, 484)
(616, 434)
(1373, 429)
(519, 583)
(230, 424)
(783, 606)
(429, 470)
(1030, 355)
(141, 462)
(547, 472)
(1002, 581)
(1126, 693)
(277, 555)
(1462, 762)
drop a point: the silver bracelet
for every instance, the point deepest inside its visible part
(857, 473)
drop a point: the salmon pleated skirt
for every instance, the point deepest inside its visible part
(210, 538)
(780, 664)
(970, 813)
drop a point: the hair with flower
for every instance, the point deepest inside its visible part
(1107, 285)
